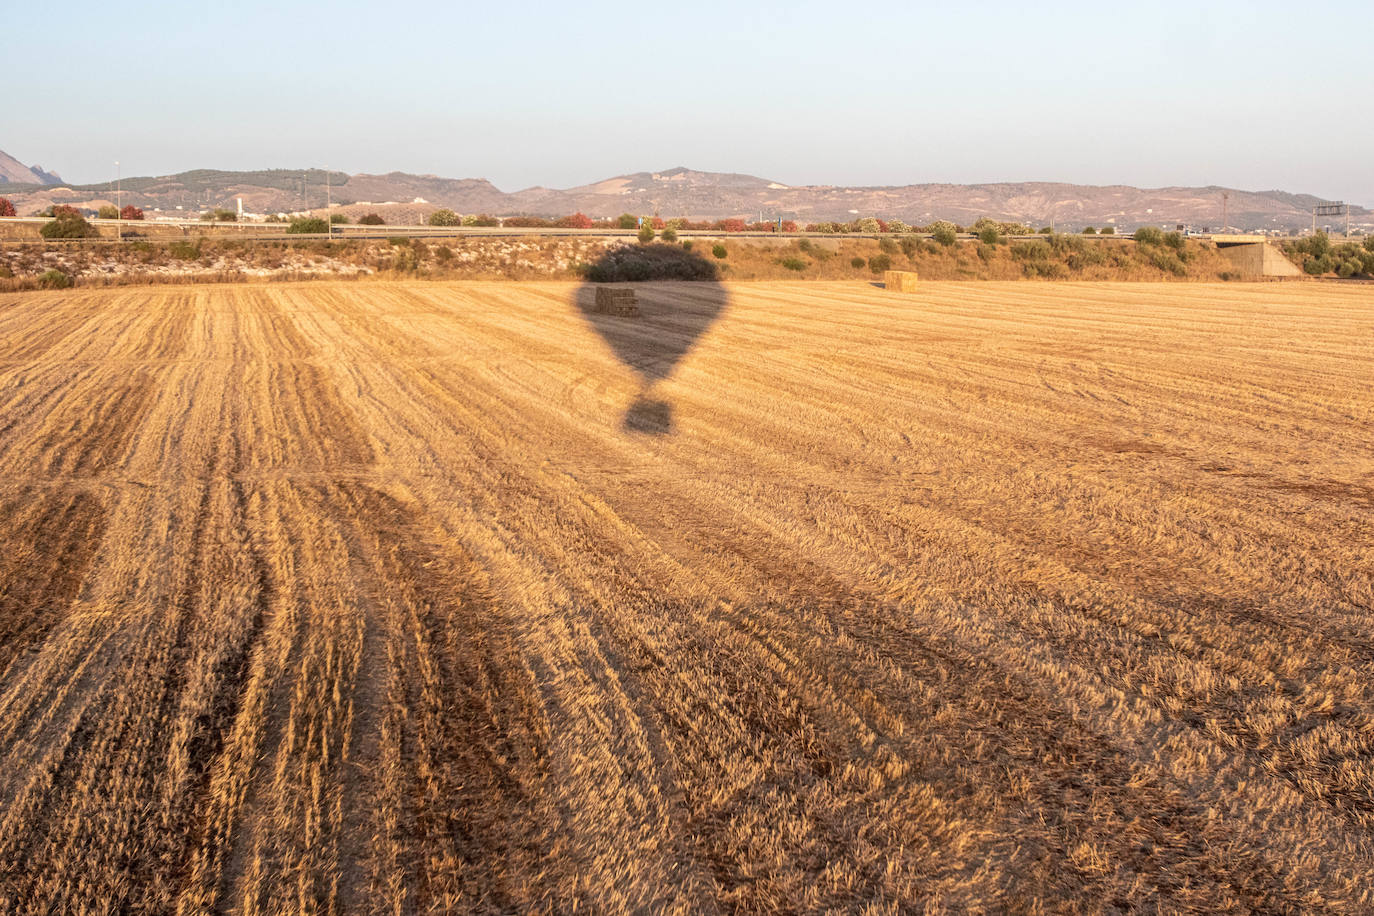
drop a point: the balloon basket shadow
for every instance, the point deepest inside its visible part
(648, 417)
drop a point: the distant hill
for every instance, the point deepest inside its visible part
(12, 171)
(697, 195)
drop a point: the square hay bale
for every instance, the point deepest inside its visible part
(616, 300)
(900, 281)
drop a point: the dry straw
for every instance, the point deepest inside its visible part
(900, 281)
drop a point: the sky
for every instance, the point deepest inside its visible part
(1249, 95)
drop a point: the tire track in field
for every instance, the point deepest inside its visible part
(766, 680)
(463, 719)
(49, 541)
(280, 826)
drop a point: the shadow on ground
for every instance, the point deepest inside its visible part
(679, 296)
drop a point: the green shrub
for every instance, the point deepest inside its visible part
(669, 234)
(307, 225)
(1149, 235)
(989, 235)
(945, 235)
(867, 225)
(1228, 275)
(1045, 230)
(183, 250)
(1315, 266)
(109, 211)
(1349, 268)
(1089, 230)
(68, 227)
(1369, 243)
(879, 263)
(1085, 256)
(445, 217)
(626, 221)
(397, 241)
(1032, 251)
(1063, 243)
(986, 251)
(338, 219)
(443, 254)
(646, 234)
(887, 246)
(794, 264)
(1175, 240)
(54, 279)
(1050, 270)
(405, 258)
(687, 245)
(857, 263)
(804, 245)
(370, 219)
(1109, 230)
(1168, 261)
(897, 226)
(719, 251)
(650, 262)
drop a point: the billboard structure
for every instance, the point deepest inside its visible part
(1339, 208)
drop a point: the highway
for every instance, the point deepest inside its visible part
(165, 230)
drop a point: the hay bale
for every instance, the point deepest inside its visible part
(900, 281)
(616, 300)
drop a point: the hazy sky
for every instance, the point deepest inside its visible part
(1245, 94)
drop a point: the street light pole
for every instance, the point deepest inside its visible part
(119, 202)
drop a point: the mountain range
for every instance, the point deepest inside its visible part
(684, 192)
(12, 171)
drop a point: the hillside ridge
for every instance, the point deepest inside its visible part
(681, 191)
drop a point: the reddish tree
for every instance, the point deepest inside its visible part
(732, 225)
(62, 210)
(131, 212)
(578, 220)
(658, 223)
(6, 208)
(789, 226)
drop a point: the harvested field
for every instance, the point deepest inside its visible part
(458, 597)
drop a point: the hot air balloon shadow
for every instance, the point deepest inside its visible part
(667, 327)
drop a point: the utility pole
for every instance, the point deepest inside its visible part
(119, 202)
(328, 203)
(1225, 217)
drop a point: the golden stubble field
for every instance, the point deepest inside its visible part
(420, 597)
